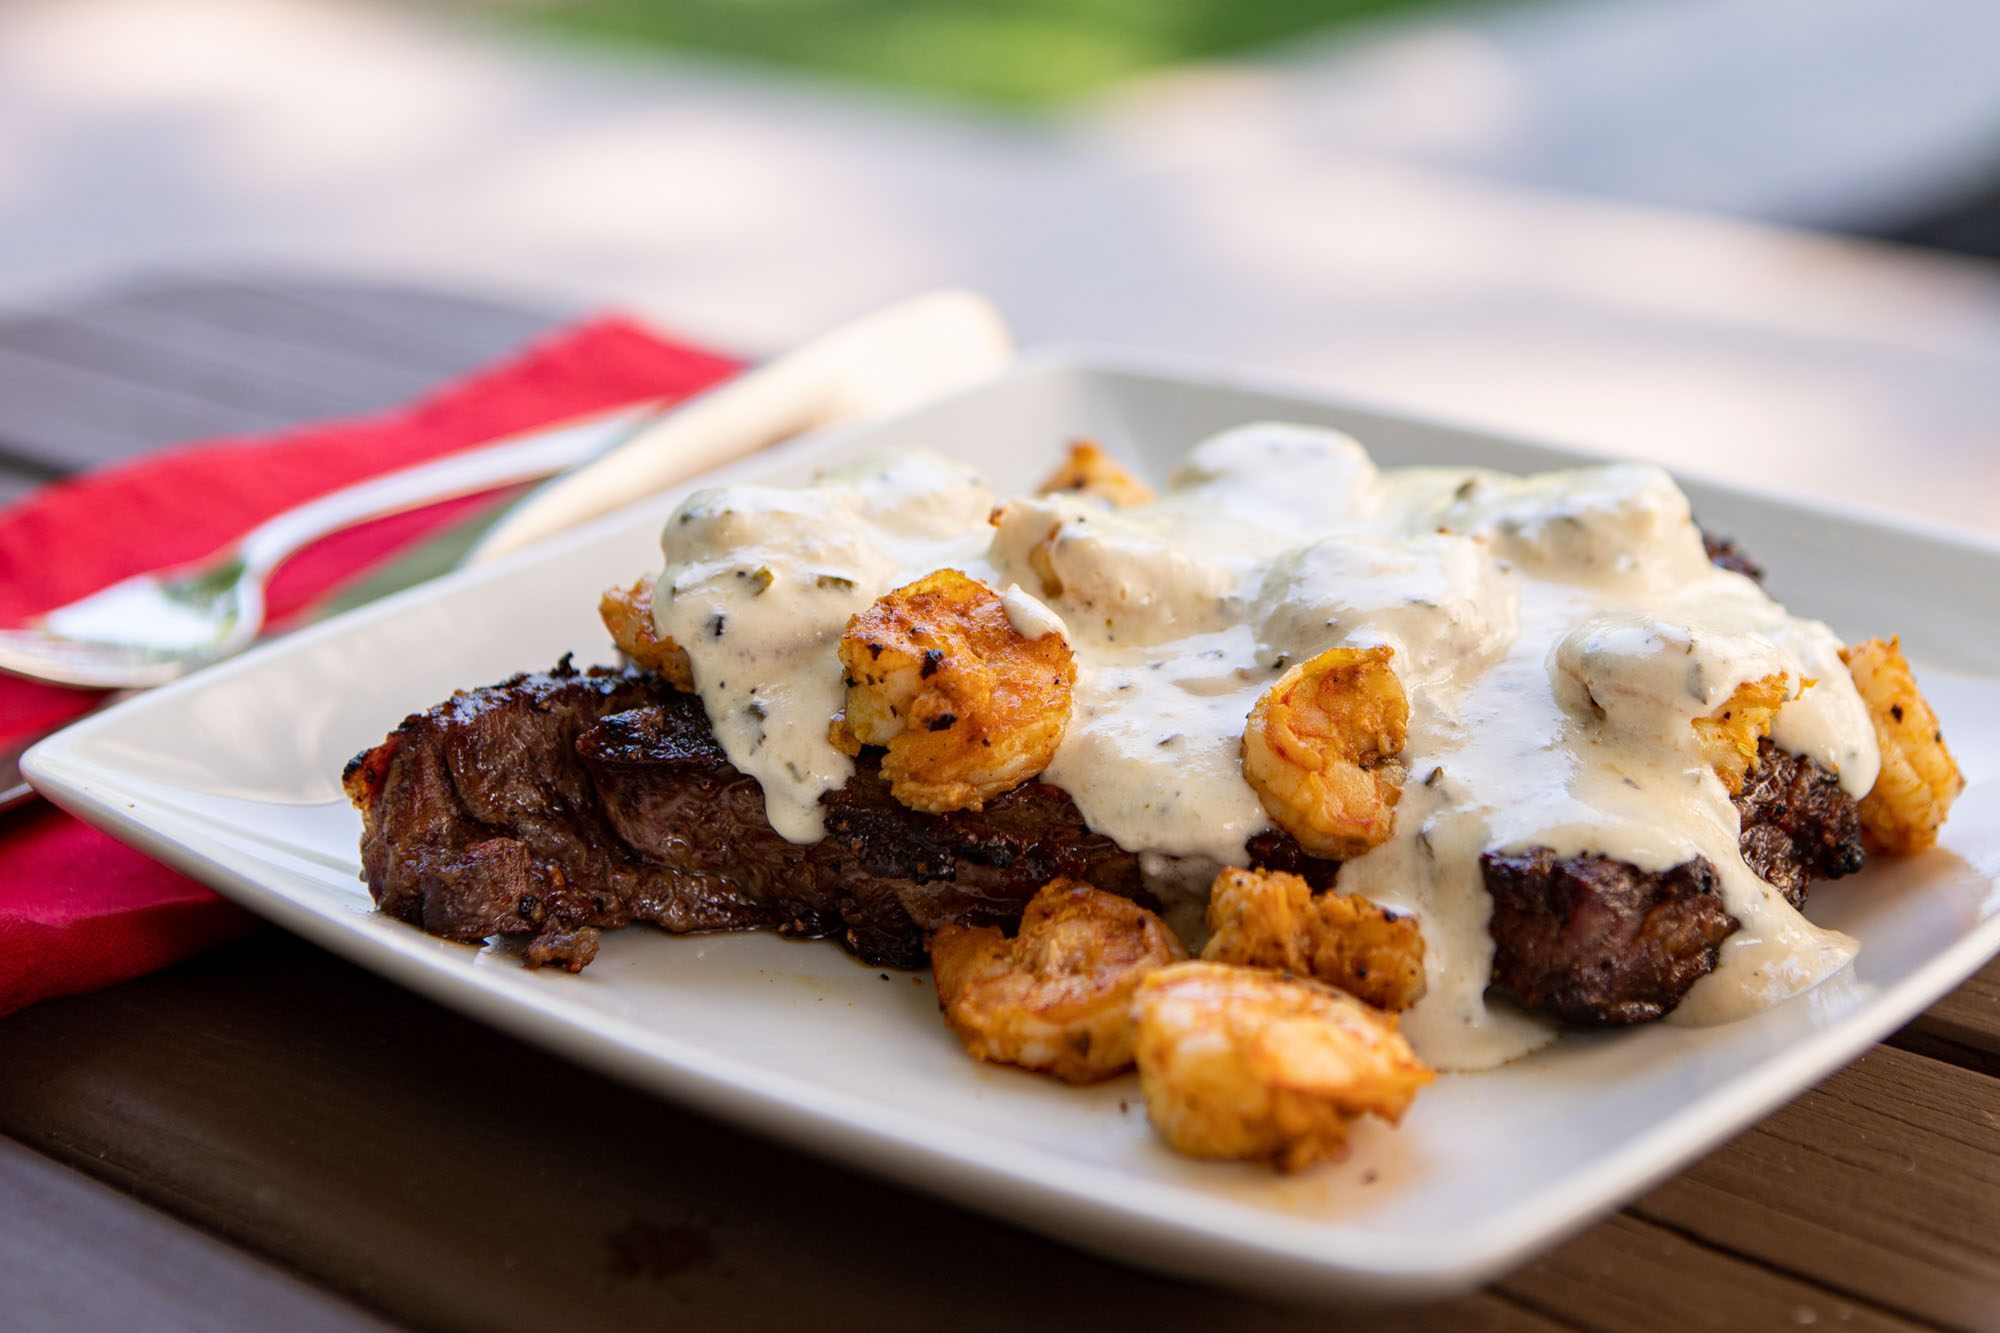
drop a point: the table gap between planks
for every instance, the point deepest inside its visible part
(289, 1141)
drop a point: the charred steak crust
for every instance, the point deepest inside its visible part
(478, 818)
(1592, 940)
(1724, 553)
(1798, 825)
(909, 872)
(1279, 850)
(677, 802)
(561, 802)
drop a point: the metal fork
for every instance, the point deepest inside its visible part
(156, 627)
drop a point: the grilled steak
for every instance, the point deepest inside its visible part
(562, 802)
(555, 804)
(1591, 940)
(908, 872)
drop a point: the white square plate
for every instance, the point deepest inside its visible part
(233, 776)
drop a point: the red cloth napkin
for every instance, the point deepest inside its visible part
(79, 910)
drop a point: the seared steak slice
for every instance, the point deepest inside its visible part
(1798, 825)
(478, 818)
(679, 804)
(883, 876)
(1591, 940)
(900, 873)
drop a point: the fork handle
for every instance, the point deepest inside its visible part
(541, 454)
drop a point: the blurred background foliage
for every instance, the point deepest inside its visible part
(1016, 53)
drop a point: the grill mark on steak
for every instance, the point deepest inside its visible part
(1592, 940)
(673, 797)
(552, 803)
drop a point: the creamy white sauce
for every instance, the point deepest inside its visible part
(1556, 634)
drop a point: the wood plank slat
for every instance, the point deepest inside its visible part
(452, 1177)
(176, 359)
(66, 418)
(216, 364)
(1968, 1018)
(75, 1254)
(1882, 1183)
(1636, 1276)
(15, 483)
(416, 324)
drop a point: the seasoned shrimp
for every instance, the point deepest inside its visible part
(1919, 780)
(1270, 919)
(968, 706)
(1058, 996)
(1088, 470)
(628, 614)
(1728, 737)
(1320, 750)
(1238, 1062)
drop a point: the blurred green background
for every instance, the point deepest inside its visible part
(1019, 53)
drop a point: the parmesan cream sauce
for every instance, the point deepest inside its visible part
(1556, 634)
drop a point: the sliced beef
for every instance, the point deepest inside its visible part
(907, 872)
(1798, 825)
(564, 802)
(678, 803)
(1591, 940)
(883, 875)
(479, 819)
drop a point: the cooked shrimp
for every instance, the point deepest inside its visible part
(1058, 996)
(1919, 780)
(628, 614)
(968, 706)
(1270, 919)
(1320, 750)
(1728, 737)
(1237, 1062)
(1088, 470)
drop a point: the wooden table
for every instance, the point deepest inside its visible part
(268, 1137)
